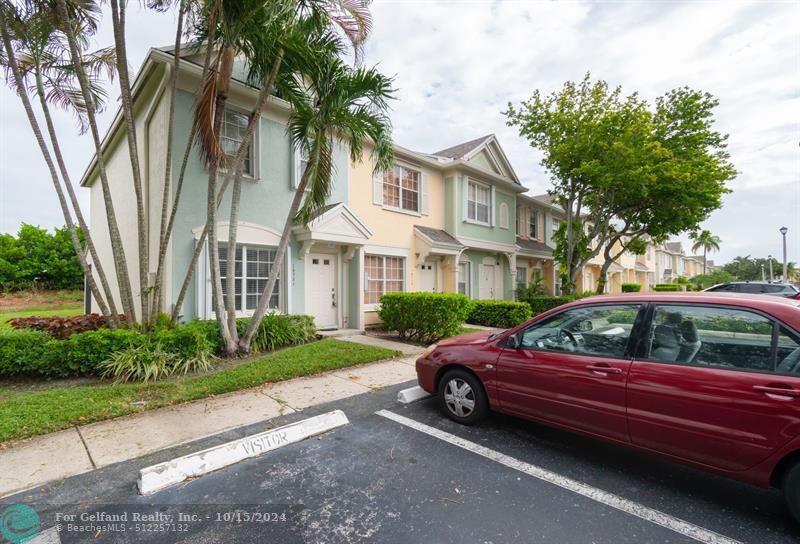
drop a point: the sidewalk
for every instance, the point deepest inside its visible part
(81, 449)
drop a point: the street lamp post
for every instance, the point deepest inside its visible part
(771, 277)
(762, 272)
(783, 231)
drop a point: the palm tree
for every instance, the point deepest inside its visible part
(704, 239)
(69, 19)
(331, 103)
(37, 59)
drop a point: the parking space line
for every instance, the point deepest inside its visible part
(657, 517)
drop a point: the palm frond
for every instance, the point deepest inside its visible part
(211, 150)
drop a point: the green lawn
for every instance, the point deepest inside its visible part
(465, 330)
(61, 311)
(28, 414)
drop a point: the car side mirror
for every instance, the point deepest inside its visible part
(584, 326)
(512, 342)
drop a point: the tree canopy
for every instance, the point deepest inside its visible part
(624, 169)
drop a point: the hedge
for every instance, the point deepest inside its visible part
(631, 287)
(540, 305)
(667, 287)
(424, 317)
(498, 313)
(27, 352)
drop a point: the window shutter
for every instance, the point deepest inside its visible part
(295, 174)
(492, 205)
(377, 188)
(464, 197)
(424, 205)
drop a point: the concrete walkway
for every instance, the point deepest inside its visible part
(58, 455)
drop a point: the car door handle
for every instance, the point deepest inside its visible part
(605, 369)
(774, 390)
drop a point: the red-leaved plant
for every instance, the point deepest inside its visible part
(62, 327)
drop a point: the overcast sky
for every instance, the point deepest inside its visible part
(458, 63)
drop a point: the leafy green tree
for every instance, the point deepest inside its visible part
(747, 268)
(622, 170)
(706, 241)
(38, 258)
(704, 281)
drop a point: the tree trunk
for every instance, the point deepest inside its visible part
(166, 218)
(263, 302)
(223, 88)
(705, 251)
(118, 23)
(230, 300)
(120, 261)
(234, 167)
(107, 306)
(12, 62)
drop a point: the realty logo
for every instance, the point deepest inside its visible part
(20, 523)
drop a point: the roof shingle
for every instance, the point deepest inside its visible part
(458, 151)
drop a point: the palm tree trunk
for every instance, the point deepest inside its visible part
(118, 249)
(118, 23)
(263, 302)
(255, 118)
(230, 280)
(12, 62)
(705, 252)
(111, 310)
(223, 88)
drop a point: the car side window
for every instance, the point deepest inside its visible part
(788, 352)
(601, 330)
(711, 336)
(751, 288)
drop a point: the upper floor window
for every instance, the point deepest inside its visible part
(555, 225)
(533, 224)
(478, 202)
(234, 125)
(401, 188)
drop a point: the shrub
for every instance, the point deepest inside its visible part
(151, 361)
(424, 317)
(62, 327)
(278, 330)
(631, 287)
(667, 287)
(23, 352)
(498, 313)
(187, 342)
(542, 304)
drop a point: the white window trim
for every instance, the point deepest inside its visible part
(488, 188)
(468, 274)
(373, 307)
(533, 215)
(504, 222)
(254, 146)
(400, 209)
(210, 313)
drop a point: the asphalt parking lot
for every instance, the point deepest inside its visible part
(421, 478)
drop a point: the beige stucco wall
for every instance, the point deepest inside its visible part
(393, 231)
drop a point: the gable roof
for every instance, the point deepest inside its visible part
(673, 247)
(459, 151)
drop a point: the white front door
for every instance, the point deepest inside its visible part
(427, 277)
(323, 295)
(486, 282)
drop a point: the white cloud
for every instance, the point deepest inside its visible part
(458, 63)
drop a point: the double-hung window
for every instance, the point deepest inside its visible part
(250, 273)
(533, 224)
(522, 277)
(383, 275)
(478, 202)
(234, 125)
(401, 187)
(463, 278)
(555, 224)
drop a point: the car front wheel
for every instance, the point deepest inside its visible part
(791, 490)
(462, 398)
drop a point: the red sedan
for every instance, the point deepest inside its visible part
(707, 379)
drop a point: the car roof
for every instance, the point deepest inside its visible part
(756, 282)
(780, 307)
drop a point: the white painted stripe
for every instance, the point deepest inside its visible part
(157, 477)
(609, 499)
(412, 394)
(49, 536)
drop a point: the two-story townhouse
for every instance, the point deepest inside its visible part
(670, 261)
(442, 221)
(534, 240)
(322, 273)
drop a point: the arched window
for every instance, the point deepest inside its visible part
(503, 215)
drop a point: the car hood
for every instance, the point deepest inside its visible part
(478, 337)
